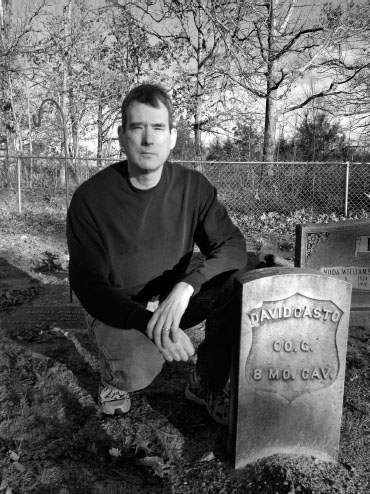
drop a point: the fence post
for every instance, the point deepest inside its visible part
(19, 185)
(346, 187)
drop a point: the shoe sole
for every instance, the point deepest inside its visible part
(111, 410)
(116, 412)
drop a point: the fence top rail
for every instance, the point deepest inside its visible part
(206, 162)
(195, 162)
(52, 157)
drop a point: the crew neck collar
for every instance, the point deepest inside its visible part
(138, 190)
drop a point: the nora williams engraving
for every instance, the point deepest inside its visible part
(294, 349)
(358, 276)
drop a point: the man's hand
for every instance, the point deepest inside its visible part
(163, 327)
(181, 350)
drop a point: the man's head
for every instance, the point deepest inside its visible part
(147, 133)
(148, 94)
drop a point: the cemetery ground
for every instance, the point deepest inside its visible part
(53, 438)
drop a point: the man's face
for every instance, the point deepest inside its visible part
(147, 139)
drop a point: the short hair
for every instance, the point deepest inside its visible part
(148, 94)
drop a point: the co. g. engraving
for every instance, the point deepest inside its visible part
(291, 346)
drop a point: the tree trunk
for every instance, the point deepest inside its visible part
(199, 88)
(29, 134)
(19, 142)
(67, 13)
(73, 119)
(197, 126)
(99, 151)
(269, 142)
(4, 93)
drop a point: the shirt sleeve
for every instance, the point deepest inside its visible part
(89, 273)
(221, 242)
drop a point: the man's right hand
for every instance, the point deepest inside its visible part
(181, 350)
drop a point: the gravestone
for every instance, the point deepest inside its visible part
(288, 364)
(342, 250)
(64, 317)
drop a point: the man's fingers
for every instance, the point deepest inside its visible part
(190, 349)
(153, 321)
(166, 337)
(175, 333)
(166, 355)
(163, 337)
(183, 354)
(170, 354)
(149, 331)
(157, 336)
(169, 312)
(187, 344)
(156, 323)
(174, 355)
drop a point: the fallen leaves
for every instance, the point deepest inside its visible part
(207, 457)
(115, 452)
(157, 465)
(282, 225)
(4, 488)
(17, 465)
(13, 298)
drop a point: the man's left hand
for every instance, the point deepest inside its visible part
(166, 318)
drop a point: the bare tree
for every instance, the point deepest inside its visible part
(352, 100)
(187, 37)
(273, 45)
(15, 43)
(125, 57)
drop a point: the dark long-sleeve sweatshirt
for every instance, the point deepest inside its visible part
(127, 245)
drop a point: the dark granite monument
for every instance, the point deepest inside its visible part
(288, 364)
(342, 250)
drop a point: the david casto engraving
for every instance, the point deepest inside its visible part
(263, 315)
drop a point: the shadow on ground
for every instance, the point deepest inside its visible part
(161, 423)
(199, 434)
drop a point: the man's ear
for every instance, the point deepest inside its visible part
(173, 137)
(120, 136)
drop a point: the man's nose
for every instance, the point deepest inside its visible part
(148, 136)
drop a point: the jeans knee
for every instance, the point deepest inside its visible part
(129, 359)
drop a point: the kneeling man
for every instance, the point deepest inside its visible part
(131, 231)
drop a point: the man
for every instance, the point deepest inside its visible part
(131, 231)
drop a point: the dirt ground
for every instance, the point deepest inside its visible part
(54, 440)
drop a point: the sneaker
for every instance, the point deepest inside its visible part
(217, 403)
(113, 401)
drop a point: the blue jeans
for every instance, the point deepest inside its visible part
(130, 361)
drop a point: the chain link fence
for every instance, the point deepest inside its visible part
(248, 188)
(257, 188)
